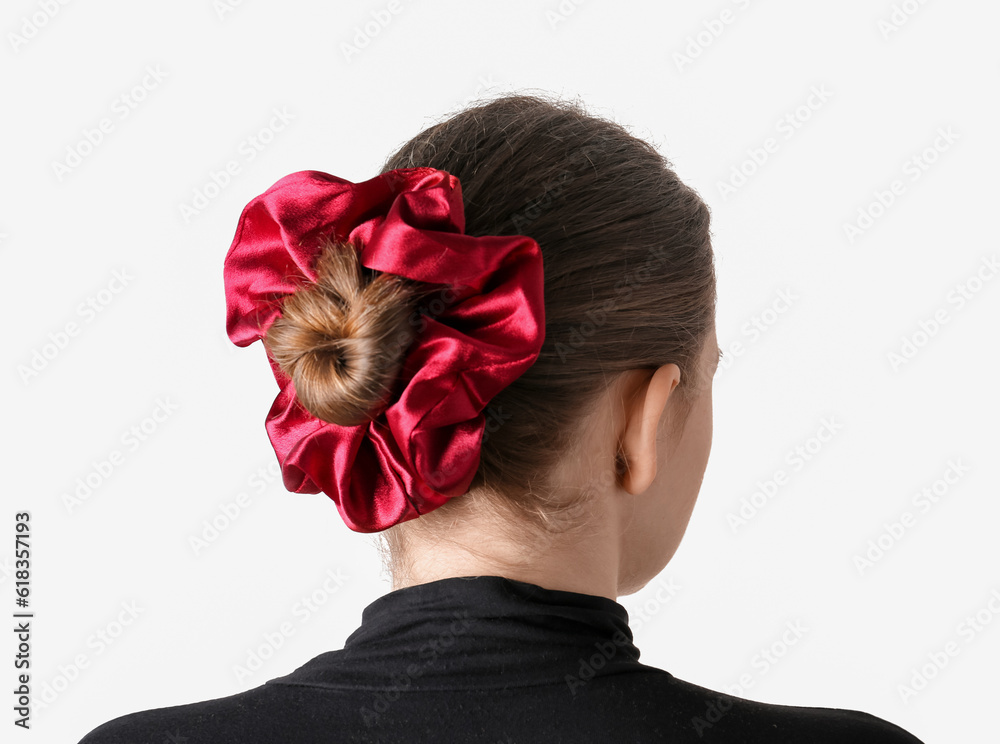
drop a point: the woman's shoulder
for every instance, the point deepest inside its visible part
(646, 704)
(712, 716)
(217, 720)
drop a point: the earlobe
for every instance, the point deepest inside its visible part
(643, 413)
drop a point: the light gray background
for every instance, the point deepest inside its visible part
(889, 89)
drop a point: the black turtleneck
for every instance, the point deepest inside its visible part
(489, 659)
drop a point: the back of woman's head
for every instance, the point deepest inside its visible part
(629, 282)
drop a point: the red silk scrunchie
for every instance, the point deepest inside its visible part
(423, 449)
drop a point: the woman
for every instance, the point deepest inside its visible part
(510, 335)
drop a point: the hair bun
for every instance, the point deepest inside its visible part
(341, 339)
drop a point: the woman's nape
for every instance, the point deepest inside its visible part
(640, 454)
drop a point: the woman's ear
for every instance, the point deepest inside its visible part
(643, 410)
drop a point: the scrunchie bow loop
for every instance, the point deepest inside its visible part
(423, 448)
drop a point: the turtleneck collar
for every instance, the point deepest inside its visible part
(478, 632)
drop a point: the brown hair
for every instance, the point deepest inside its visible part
(629, 282)
(341, 339)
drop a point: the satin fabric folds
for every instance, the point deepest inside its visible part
(423, 448)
